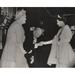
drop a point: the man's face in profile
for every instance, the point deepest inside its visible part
(38, 32)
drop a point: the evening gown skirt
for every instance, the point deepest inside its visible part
(13, 52)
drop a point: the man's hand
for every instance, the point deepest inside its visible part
(32, 60)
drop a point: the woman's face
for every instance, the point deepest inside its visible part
(60, 23)
(21, 16)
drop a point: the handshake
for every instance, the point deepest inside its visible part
(38, 44)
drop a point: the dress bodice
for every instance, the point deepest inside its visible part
(65, 35)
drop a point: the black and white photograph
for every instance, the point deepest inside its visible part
(37, 37)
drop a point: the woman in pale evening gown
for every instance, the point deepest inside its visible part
(13, 53)
(62, 53)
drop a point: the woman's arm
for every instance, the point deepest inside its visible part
(47, 42)
(43, 43)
